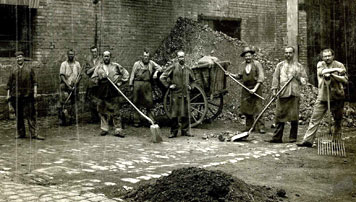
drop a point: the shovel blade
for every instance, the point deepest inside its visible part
(156, 133)
(239, 136)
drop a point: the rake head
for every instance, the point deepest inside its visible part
(331, 145)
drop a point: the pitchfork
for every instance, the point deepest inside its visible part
(328, 143)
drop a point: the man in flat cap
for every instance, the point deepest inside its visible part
(109, 103)
(252, 75)
(21, 92)
(70, 76)
(141, 79)
(178, 78)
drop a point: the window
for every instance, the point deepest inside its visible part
(16, 24)
(229, 26)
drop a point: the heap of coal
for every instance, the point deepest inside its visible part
(197, 184)
(198, 40)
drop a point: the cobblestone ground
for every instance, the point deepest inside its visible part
(73, 161)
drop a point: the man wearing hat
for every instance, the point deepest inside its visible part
(21, 92)
(109, 103)
(252, 75)
(177, 78)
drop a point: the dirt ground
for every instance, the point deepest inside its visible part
(76, 158)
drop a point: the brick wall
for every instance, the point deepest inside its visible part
(302, 38)
(125, 27)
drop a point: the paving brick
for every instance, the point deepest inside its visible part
(44, 199)
(77, 198)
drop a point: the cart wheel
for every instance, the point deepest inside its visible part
(198, 105)
(215, 106)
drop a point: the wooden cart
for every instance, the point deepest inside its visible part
(207, 94)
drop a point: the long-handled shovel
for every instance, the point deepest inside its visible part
(155, 131)
(243, 86)
(246, 134)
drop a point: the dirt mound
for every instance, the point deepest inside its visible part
(198, 40)
(196, 184)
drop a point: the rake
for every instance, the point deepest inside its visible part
(329, 144)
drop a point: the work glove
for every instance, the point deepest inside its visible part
(119, 83)
(189, 87)
(8, 98)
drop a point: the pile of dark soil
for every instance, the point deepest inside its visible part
(196, 184)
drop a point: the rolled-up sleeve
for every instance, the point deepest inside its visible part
(261, 74)
(132, 77)
(276, 75)
(164, 77)
(62, 69)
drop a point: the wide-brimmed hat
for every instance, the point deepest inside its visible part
(247, 49)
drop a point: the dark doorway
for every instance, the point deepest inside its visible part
(16, 30)
(229, 26)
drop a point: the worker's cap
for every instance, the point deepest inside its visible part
(17, 53)
(247, 49)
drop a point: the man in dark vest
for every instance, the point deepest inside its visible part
(91, 87)
(21, 92)
(252, 75)
(142, 75)
(178, 77)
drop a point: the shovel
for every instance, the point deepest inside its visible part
(155, 131)
(228, 73)
(244, 135)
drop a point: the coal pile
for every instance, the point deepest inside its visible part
(198, 40)
(197, 184)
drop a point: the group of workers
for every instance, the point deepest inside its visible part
(105, 76)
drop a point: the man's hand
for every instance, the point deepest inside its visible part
(155, 75)
(131, 88)
(119, 83)
(172, 86)
(303, 81)
(274, 92)
(189, 87)
(8, 97)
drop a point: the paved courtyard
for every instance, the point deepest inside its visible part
(74, 162)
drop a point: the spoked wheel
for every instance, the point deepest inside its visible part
(215, 106)
(198, 105)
